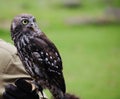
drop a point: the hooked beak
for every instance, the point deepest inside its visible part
(33, 27)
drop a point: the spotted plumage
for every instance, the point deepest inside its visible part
(39, 55)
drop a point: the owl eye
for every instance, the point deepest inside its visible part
(25, 22)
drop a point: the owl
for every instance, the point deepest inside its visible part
(39, 55)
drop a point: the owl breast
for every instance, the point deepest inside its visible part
(24, 52)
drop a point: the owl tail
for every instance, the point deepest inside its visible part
(70, 96)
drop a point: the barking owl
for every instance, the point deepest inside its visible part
(38, 54)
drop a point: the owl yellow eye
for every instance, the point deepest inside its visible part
(25, 22)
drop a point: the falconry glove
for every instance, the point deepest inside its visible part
(21, 90)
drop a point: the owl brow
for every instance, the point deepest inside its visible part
(24, 18)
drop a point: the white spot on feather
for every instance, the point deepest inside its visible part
(46, 59)
(56, 53)
(55, 61)
(56, 66)
(52, 64)
(50, 57)
(41, 52)
(48, 62)
(40, 59)
(47, 54)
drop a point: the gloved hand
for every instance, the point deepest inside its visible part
(21, 90)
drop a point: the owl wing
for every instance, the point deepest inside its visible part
(45, 53)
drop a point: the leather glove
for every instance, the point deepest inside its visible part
(21, 90)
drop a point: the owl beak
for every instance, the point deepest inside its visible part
(32, 27)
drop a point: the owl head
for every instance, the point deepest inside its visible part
(22, 23)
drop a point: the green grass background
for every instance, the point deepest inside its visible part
(90, 53)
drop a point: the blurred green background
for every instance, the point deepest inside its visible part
(87, 34)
